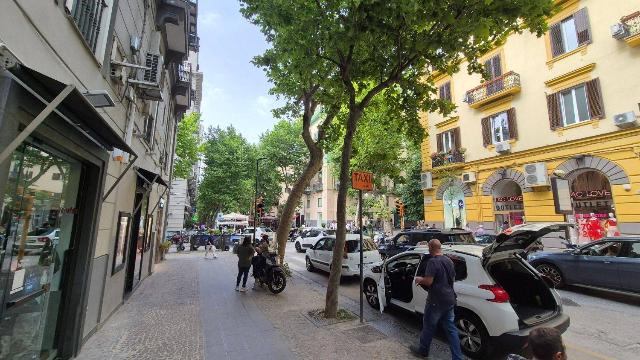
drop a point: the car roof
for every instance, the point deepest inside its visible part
(349, 237)
(435, 231)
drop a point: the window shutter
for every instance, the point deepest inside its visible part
(439, 142)
(581, 19)
(447, 90)
(486, 131)
(594, 97)
(555, 34)
(511, 120)
(456, 138)
(555, 115)
(497, 68)
(488, 67)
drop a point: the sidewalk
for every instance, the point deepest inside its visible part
(189, 309)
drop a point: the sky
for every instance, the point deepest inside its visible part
(234, 91)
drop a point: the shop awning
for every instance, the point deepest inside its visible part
(151, 177)
(74, 108)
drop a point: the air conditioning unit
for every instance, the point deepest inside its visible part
(619, 31)
(469, 177)
(627, 119)
(536, 175)
(503, 147)
(149, 77)
(426, 181)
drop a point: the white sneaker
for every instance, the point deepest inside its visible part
(237, 288)
(243, 289)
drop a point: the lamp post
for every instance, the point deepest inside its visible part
(255, 202)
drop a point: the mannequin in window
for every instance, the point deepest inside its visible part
(611, 226)
(594, 228)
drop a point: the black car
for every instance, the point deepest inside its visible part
(407, 240)
(222, 242)
(610, 263)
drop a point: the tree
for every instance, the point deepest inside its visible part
(284, 148)
(187, 146)
(410, 191)
(372, 45)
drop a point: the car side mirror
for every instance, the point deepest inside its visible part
(376, 269)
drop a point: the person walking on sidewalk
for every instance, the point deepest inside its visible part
(245, 253)
(438, 277)
(210, 249)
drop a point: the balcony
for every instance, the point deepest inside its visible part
(173, 19)
(631, 28)
(180, 76)
(317, 186)
(493, 90)
(447, 158)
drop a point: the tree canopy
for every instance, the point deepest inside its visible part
(187, 146)
(284, 148)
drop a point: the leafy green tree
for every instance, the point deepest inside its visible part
(187, 146)
(368, 46)
(284, 149)
(410, 191)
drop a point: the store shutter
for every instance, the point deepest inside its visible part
(439, 142)
(555, 34)
(594, 97)
(486, 131)
(555, 115)
(456, 138)
(581, 19)
(513, 127)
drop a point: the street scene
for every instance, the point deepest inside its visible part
(329, 179)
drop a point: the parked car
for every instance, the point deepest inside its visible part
(221, 242)
(259, 231)
(485, 239)
(501, 298)
(610, 263)
(309, 236)
(408, 240)
(320, 255)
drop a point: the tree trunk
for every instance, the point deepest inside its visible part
(333, 287)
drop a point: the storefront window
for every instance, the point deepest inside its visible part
(508, 204)
(454, 207)
(593, 207)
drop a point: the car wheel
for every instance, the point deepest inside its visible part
(370, 291)
(298, 247)
(310, 267)
(474, 339)
(552, 272)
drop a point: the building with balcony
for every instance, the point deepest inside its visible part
(90, 100)
(562, 108)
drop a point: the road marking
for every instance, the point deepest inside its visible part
(588, 352)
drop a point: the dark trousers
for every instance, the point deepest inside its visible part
(433, 316)
(242, 270)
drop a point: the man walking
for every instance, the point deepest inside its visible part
(438, 278)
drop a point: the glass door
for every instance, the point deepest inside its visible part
(38, 206)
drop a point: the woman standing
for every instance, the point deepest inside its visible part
(245, 253)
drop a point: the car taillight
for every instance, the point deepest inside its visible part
(43, 239)
(500, 295)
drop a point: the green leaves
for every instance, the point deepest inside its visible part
(187, 146)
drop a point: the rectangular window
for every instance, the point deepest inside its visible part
(308, 203)
(89, 16)
(148, 129)
(444, 91)
(569, 34)
(319, 202)
(499, 128)
(447, 141)
(574, 105)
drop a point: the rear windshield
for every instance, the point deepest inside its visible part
(368, 245)
(464, 238)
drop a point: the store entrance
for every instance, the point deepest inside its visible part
(455, 215)
(39, 209)
(508, 204)
(138, 232)
(593, 207)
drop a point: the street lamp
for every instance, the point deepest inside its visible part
(255, 201)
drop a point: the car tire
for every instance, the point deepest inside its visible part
(298, 247)
(552, 272)
(370, 292)
(474, 338)
(310, 267)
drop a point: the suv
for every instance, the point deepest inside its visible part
(320, 255)
(408, 240)
(500, 297)
(309, 236)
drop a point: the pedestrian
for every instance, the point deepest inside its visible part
(438, 278)
(245, 253)
(210, 249)
(545, 344)
(479, 230)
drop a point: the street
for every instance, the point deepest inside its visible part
(603, 324)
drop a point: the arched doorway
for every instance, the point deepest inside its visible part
(593, 206)
(508, 204)
(452, 194)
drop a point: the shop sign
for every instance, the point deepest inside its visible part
(509, 203)
(503, 199)
(591, 194)
(590, 204)
(509, 207)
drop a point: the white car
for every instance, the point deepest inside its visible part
(259, 231)
(320, 255)
(501, 298)
(309, 236)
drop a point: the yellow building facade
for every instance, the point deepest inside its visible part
(560, 108)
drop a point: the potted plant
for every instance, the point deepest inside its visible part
(164, 247)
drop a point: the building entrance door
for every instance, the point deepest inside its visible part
(39, 208)
(138, 233)
(508, 204)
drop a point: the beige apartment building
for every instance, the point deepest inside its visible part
(560, 109)
(91, 92)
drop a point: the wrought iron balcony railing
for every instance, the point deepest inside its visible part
(488, 91)
(442, 159)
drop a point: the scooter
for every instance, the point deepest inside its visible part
(271, 274)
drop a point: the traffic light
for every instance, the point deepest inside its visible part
(399, 207)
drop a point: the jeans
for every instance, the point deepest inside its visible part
(242, 270)
(434, 315)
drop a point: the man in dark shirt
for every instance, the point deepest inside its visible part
(438, 277)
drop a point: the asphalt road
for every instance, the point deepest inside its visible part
(604, 325)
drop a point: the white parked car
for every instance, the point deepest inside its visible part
(309, 236)
(501, 298)
(259, 231)
(320, 255)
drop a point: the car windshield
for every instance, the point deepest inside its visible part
(330, 232)
(464, 238)
(247, 231)
(368, 245)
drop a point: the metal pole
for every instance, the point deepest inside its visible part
(255, 204)
(361, 255)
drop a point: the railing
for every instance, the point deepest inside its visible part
(87, 15)
(184, 71)
(316, 186)
(451, 157)
(632, 22)
(510, 80)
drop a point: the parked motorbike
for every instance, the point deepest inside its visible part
(272, 274)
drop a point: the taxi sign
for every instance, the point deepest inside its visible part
(361, 180)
